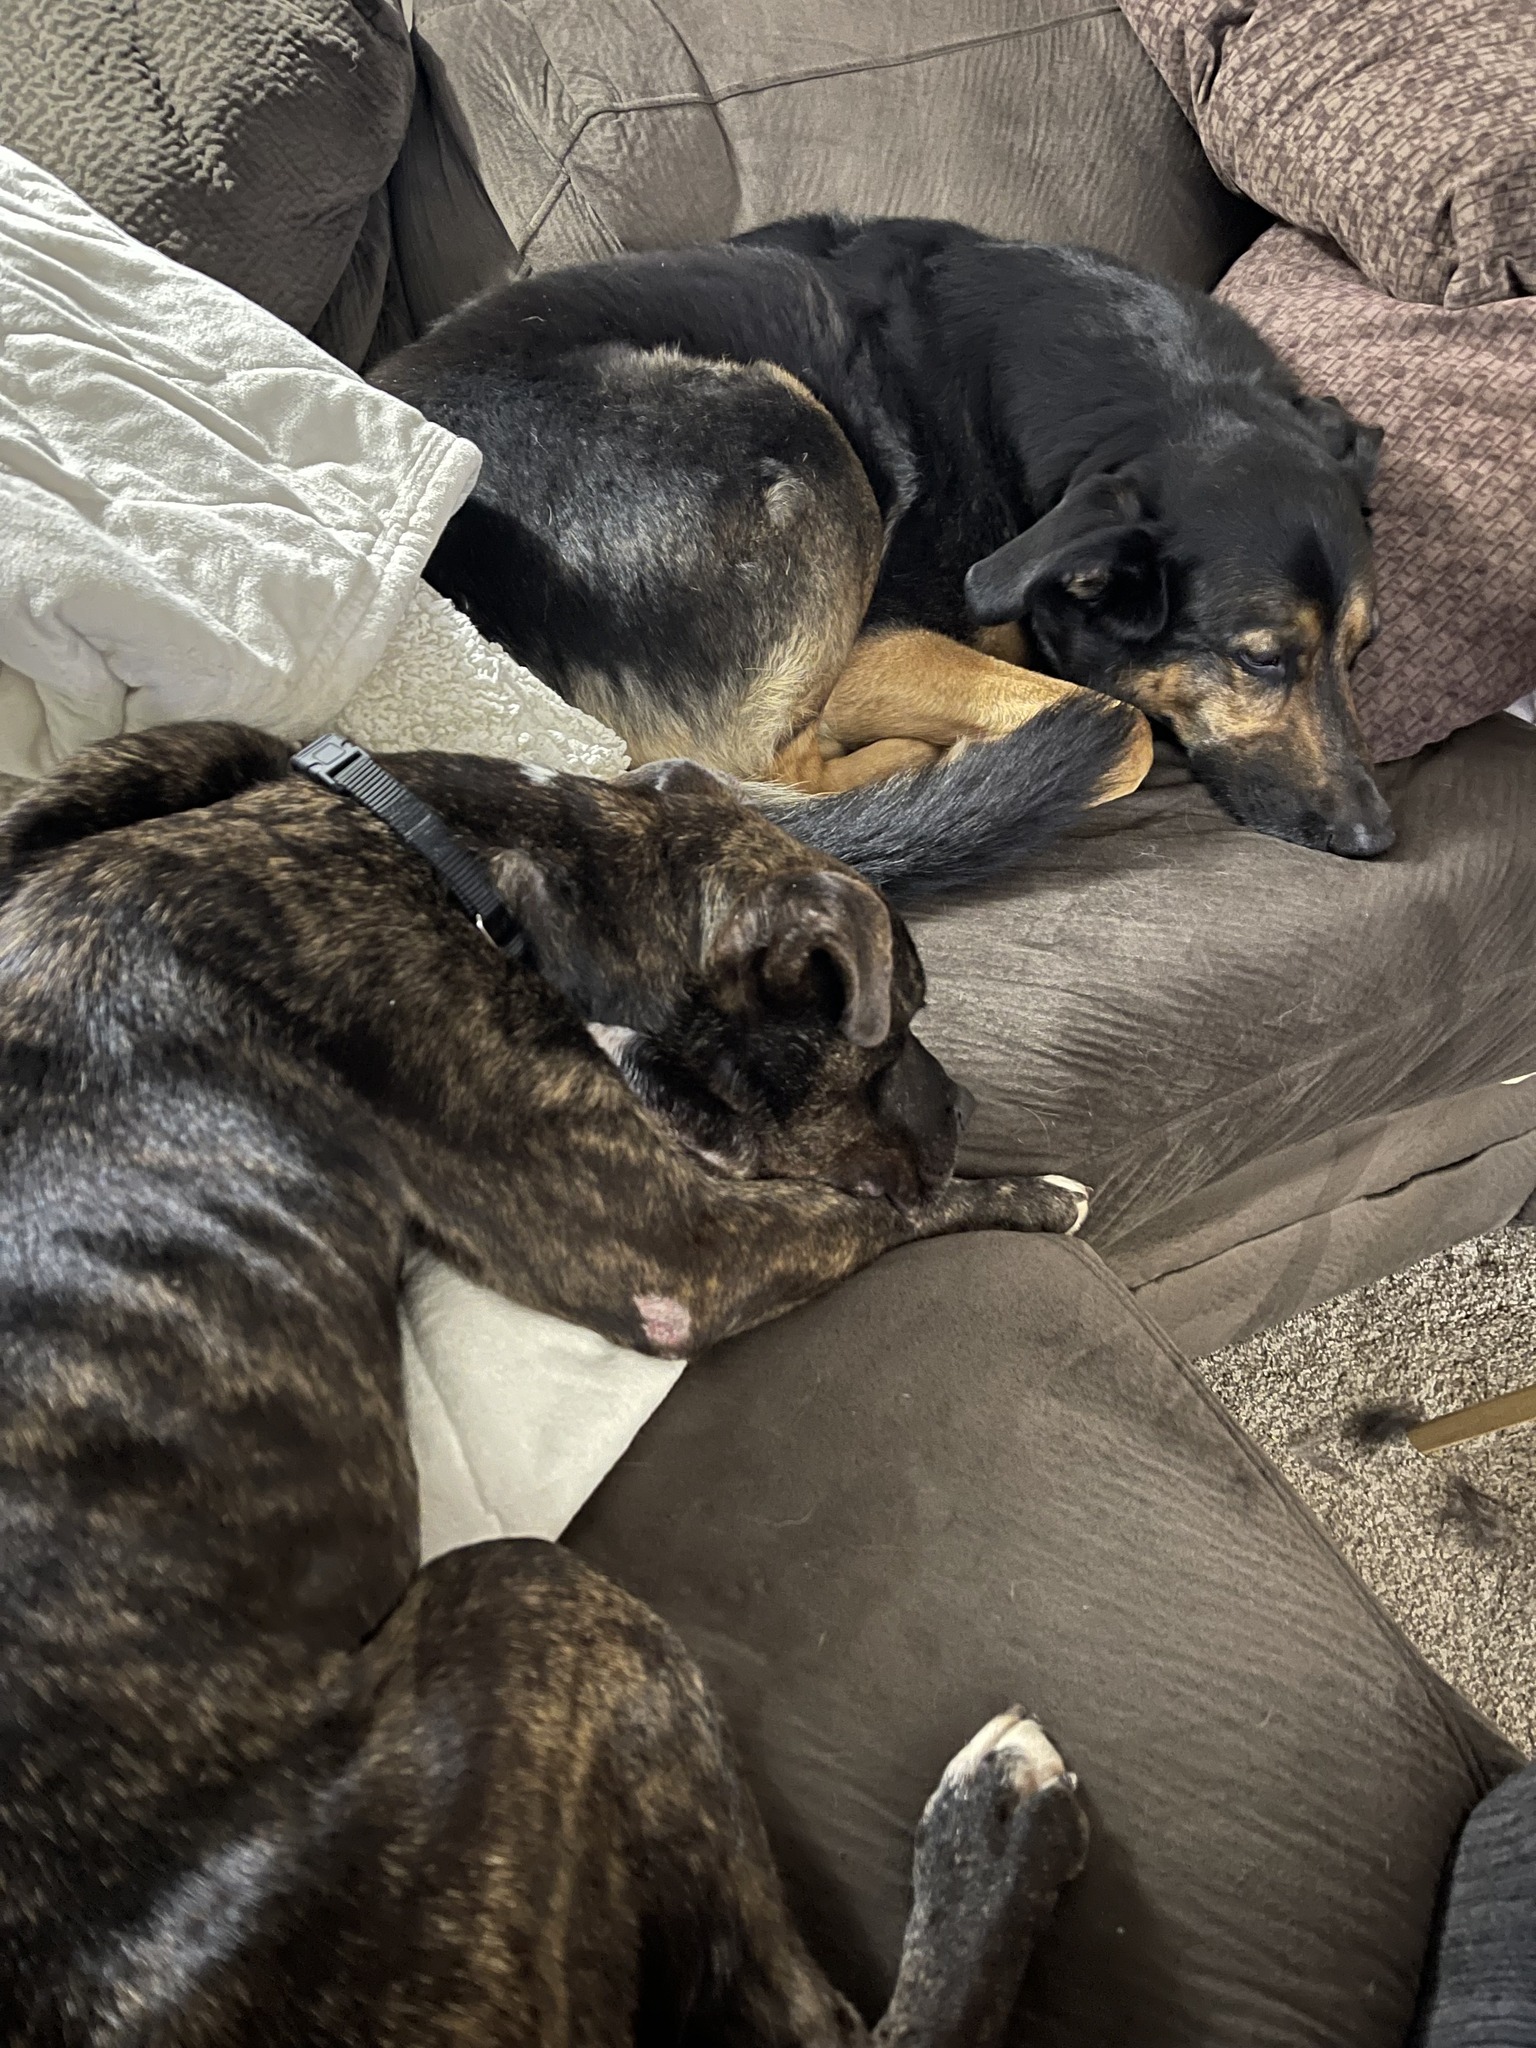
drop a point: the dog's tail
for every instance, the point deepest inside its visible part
(979, 815)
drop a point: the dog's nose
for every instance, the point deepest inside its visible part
(1360, 840)
(965, 1102)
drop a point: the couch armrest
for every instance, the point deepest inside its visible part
(978, 1473)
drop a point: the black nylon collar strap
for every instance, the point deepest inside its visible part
(337, 764)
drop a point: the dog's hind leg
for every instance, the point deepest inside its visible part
(540, 1838)
(910, 684)
(997, 1841)
(584, 1862)
(516, 1822)
(685, 549)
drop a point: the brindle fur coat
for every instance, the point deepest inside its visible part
(261, 1779)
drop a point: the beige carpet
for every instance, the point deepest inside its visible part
(1447, 1543)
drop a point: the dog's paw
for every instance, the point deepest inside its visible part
(1004, 1814)
(1046, 1201)
(1016, 1746)
(1077, 1194)
(1134, 763)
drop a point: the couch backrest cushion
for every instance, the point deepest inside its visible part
(245, 138)
(618, 125)
(1405, 132)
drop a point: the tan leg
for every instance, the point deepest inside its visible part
(911, 684)
(916, 685)
(1132, 769)
(879, 759)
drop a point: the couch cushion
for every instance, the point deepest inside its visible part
(1333, 1213)
(1407, 133)
(977, 1474)
(1168, 998)
(626, 126)
(243, 137)
(449, 243)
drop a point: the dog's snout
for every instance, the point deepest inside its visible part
(1347, 815)
(1363, 827)
(1361, 838)
(925, 1110)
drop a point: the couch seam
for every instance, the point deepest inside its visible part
(659, 11)
(659, 102)
(1515, 978)
(565, 186)
(1429, 1681)
(1386, 1117)
(1352, 1201)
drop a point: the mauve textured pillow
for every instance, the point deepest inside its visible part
(1455, 498)
(1404, 130)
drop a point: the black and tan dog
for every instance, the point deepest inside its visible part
(783, 503)
(263, 1782)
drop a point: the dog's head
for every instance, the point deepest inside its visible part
(1224, 586)
(755, 994)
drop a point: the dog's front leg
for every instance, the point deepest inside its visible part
(625, 1232)
(765, 1246)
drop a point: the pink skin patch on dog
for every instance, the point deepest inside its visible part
(667, 1324)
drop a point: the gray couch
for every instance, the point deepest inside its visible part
(983, 1470)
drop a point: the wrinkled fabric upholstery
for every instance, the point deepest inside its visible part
(1169, 999)
(1405, 133)
(246, 138)
(631, 126)
(1314, 1220)
(974, 1474)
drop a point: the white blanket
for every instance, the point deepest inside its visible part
(203, 515)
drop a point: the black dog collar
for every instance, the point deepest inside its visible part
(337, 764)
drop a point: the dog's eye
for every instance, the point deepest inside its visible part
(1267, 664)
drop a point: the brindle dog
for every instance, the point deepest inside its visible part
(262, 1780)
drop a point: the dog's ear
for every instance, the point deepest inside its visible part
(1095, 552)
(549, 920)
(793, 930)
(1356, 448)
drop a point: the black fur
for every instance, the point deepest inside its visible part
(1376, 1423)
(991, 808)
(1050, 437)
(1482, 1520)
